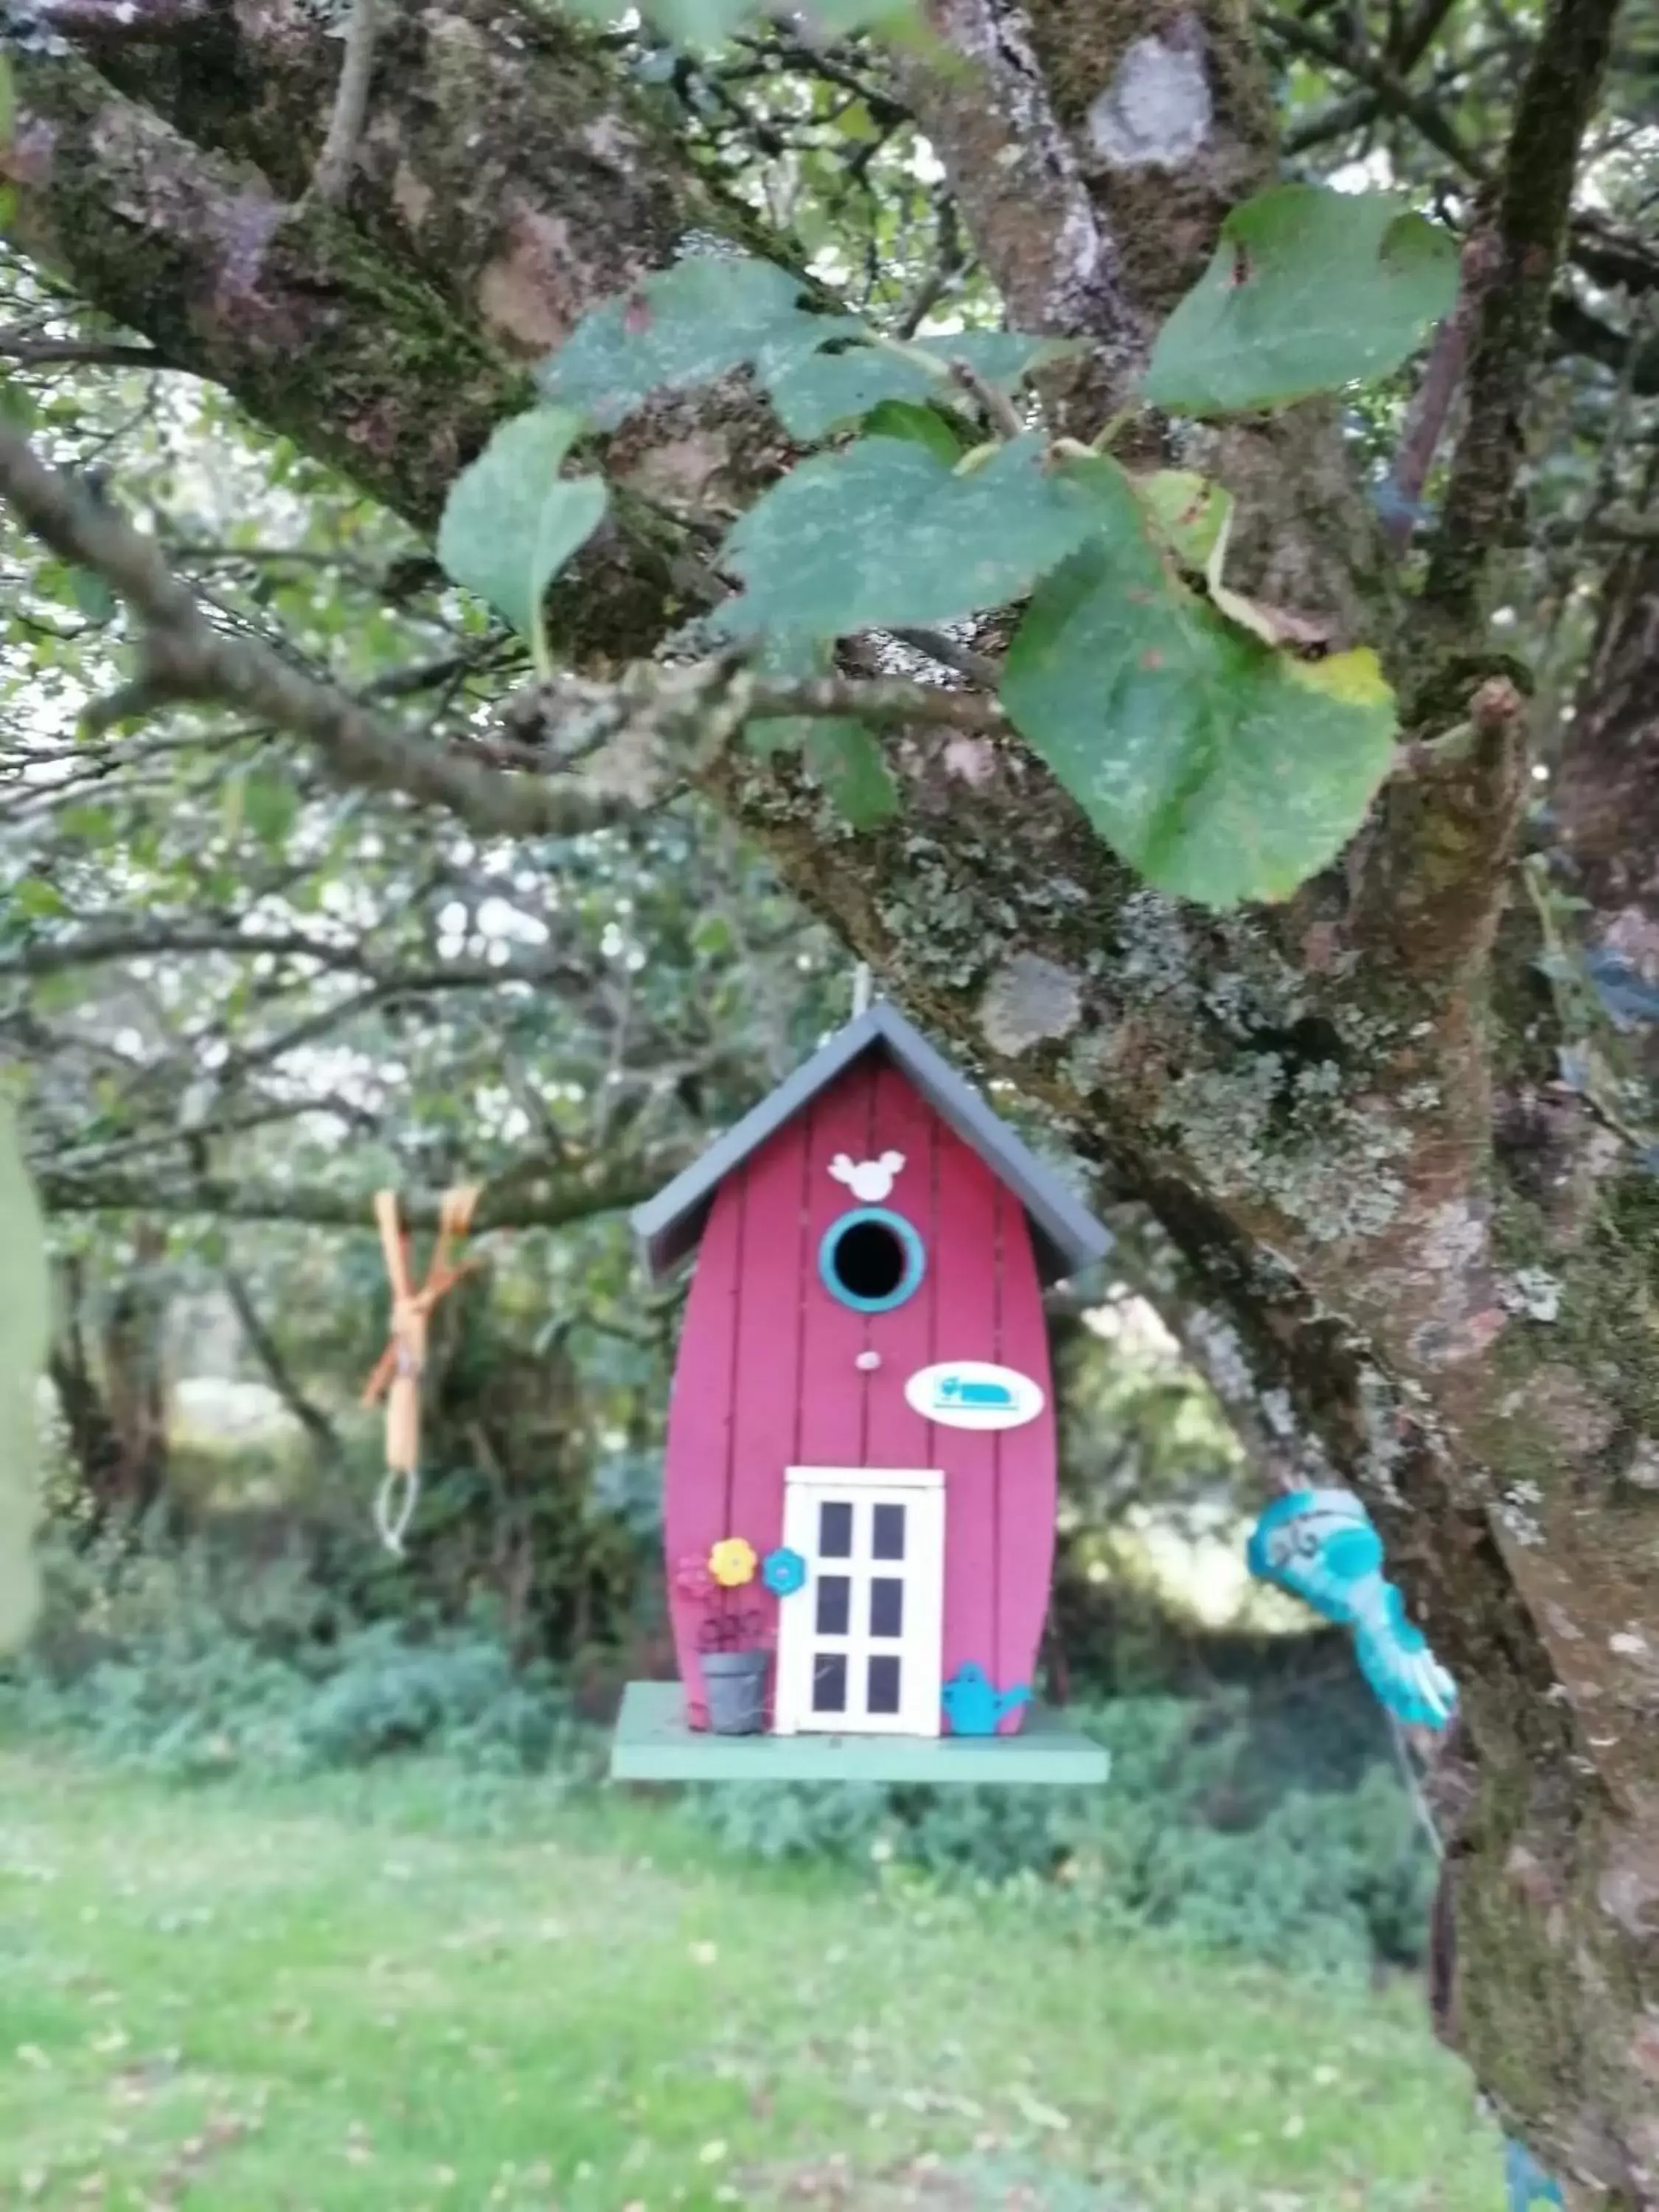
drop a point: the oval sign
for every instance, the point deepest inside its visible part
(972, 1394)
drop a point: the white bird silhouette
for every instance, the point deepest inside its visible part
(869, 1180)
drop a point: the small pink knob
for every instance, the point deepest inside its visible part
(868, 1361)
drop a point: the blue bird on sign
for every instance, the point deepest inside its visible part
(973, 1707)
(1320, 1545)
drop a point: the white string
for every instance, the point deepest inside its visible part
(1414, 1791)
(392, 1522)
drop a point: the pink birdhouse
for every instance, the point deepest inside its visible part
(861, 1467)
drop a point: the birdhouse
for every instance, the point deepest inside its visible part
(860, 1473)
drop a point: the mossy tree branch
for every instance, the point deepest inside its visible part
(1557, 98)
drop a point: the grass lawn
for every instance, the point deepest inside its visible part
(288, 2002)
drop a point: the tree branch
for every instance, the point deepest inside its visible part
(125, 23)
(186, 659)
(80, 353)
(1391, 90)
(345, 127)
(552, 1199)
(1534, 198)
(269, 1353)
(91, 947)
(663, 723)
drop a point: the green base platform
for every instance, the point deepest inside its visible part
(654, 1744)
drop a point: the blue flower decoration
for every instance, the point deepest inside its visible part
(784, 1573)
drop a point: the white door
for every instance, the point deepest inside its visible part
(859, 1644)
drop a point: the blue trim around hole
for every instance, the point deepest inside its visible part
(915, 1260)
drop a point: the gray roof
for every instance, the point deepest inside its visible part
(1065, 1234)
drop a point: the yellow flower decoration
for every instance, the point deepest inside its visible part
(731, 1563)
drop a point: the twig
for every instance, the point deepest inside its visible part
(345, 124)
(82, 353)
(997, 407)
(1391, 90)
(946, 268)
(1426, 419)
(977, 667)
(263, 1345)
(1556, 98)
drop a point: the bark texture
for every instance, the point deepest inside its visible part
(1440, 1267)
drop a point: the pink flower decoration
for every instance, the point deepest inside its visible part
(692, 1578)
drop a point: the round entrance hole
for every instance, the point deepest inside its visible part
(871, 1260)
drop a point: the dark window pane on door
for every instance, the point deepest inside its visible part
(889, 1533)
(886, 1605)
(884, 1685)
(836, 1529)
(829, 1683)
(834, 1605)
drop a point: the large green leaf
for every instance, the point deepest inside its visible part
(1309, 290)
(885, 536)
(820, 391)
(688, 325)
(25, 1328)
(1220, 769)
(512, 521)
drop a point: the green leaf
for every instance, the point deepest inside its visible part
(25, 1331)
(1188, 514)
(845, 758)
(1220, 769)
(688, 325)
(785, 657)
(922, 426)
(7, 103)
(36, 900)
(510, 521)
(1310, 289)
(817, 394)
(839, 753)
(92, 595)
(884, 535)
(269, 803)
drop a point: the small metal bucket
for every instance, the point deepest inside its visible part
(734, 1685)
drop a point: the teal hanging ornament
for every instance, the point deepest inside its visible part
(1526, 2180)
(1320, 1546)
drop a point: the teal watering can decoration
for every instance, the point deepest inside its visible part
(1320, 1545)
(973, 1707)
(1526, 2181)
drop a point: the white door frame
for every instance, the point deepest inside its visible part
(919, 1646)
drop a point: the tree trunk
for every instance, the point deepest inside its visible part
(1343, 1114)
(113, 1406)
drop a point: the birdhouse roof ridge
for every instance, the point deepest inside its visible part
(1065, 1235)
